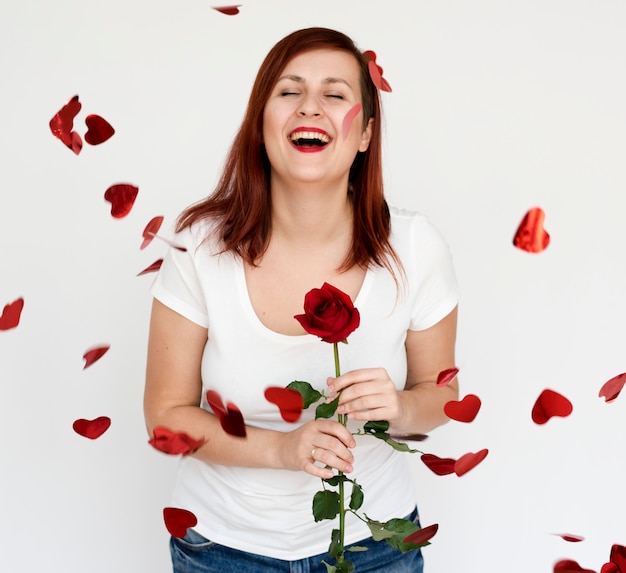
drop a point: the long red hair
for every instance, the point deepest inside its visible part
(240, 204)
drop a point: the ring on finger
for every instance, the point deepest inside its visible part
(313, 453)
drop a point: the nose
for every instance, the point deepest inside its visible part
(309, 107)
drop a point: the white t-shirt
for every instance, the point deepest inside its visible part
(267, 511)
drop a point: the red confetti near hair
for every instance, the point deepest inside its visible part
(62, 125)
(154, 267)
(290, 402)
(178, 521)
(98, 130)
(173, 443)
(92, 429)
(94, 354)
(152, 228)
(469, 461)
(549, 404)
(446, 376)
(229, 416)
(422, 536)
(530, 235)
(376, 72)
(11, 314)
(440, 466)
(349, 118)
(569, 566)
(465, 410)
(228, 10)
(122, 198)
(611, 389)
(571, 538)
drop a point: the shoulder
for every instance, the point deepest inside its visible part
(200, 237)
(413, 229)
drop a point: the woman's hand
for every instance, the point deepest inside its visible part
(317, 444)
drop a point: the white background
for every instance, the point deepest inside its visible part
(497, 107)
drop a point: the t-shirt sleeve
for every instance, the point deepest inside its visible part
(178, 285)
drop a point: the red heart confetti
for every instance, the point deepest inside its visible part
(530, 235)
(178, 521)
(170, 243)
(440, 466)
(98, 130)
(610, 568)
(92, 429)
(549, 404)
(62, 125)
(349, 118)
(228, 10)
(570, 537)
(154, 267)
(446, 376)
(465, 410)
(290, 402)
(469, 461)
(618, 557)
(122, 198)
(11, 314)
(610, 390)
(422, 536)
(94, 354)
(229, 416)
(376, 72)
(569, 566)
(173, 443)
(152, 228)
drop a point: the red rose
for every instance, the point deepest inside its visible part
(329, 314)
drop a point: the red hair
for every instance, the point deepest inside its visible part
(240, 204)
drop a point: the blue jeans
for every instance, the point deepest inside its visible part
(195, 554)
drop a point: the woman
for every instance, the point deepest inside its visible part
(300, 203)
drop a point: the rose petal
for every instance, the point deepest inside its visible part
(423, 535)
(94, 354)
(62, 125)
(152, 228)
(228, 10)
(154, 267)
(570, 537)
(446, 376)
(569, 566)
(440, 466)
(290, 402)
(349, 118)
(530, 235)
(173, 443)
(549, 404)
(377, 77)
(230, 417)
(11, 314)
(178, 521)
(469, 461)
(98, 130)
(92, 429)
(610, 390)
(122, 198)
(465, 410)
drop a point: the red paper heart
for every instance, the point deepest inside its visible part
(570, 537)
(349, 118)
(98, 130)
(530, 235)
(446, 376)
(173, 443)
(228, 10)
(610, 568)
(376, 73)
(152, 228)
(422, 536)
(178, 521)
(62, 125)
(569, 566)
(92, 429)
(154, 267)
(94, 354)
(11, 314)
(290, 402)
(122, 198)
(229, 416)
(549, 404)
(618, 556)
(465, 410)
(440, 466)
(469, 461)
(611, 389)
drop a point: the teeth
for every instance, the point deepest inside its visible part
(309, 135)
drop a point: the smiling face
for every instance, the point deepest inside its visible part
(312, 130)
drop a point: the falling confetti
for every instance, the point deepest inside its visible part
(550, 404)
(92, 429)
(173, 443)
(440, 466)
(122, 198)
(62, 125)
(423, 535)
(617, 562)
(570, 537)
(94, 354)
(349, 118)
(152, 228)
(446, 376)
(469, 461)
(11, 314)
(228, 10)
(98, 130)
(465, 410)
(530, 235)
(154, 267)
(611, 389)
(178, 521)
(229, 416)
(290, 402)
(376, 72)
(569, 566)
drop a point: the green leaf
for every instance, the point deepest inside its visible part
(399, 446)
(327, 410)
(376, 426)
(325, 505)
(356, 499)
(309, 394)
(330, 568)
(336, 480)
(336, 547)
(344, 567)
(402, 528)
(356, 548)
(378, 530)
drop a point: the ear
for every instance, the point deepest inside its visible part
(366, 136)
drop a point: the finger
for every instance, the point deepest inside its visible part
(329, 458)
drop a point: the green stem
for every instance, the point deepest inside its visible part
(342, 502)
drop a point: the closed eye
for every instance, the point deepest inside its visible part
(288, 93)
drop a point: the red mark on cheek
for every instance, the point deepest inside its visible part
(122, 198)
(348, 119)
(94, 355)
(92, 429)
(98, 130)
(11, 314)
(550, 404)
(228, 10)
(62, 125)
(177, 521)
(531, 236)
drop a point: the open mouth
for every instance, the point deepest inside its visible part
(309, 139)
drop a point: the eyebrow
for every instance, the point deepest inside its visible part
(301, 80)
